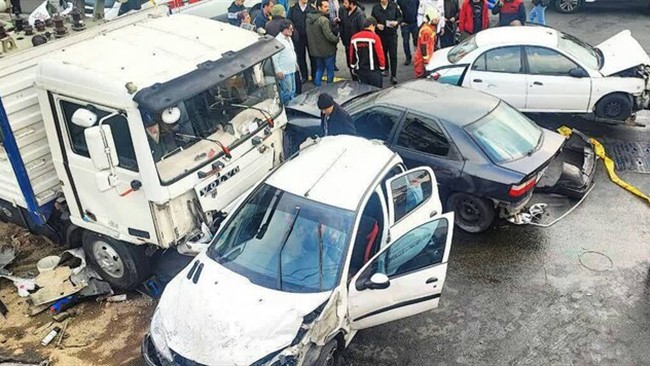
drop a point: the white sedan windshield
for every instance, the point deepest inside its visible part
(285, 242)
(582, 51)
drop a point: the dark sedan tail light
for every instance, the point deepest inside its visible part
(521, 189)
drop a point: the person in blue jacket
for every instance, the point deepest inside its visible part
(234, 9)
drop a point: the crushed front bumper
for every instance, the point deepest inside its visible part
(571, 172)
(150, 355)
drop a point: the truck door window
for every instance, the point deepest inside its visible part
(119, 128)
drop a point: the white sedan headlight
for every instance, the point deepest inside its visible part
(158, 335)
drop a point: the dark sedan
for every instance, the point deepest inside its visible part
(488, 158)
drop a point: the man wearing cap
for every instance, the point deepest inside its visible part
(285, 62)
(334, 120)
(265, 15)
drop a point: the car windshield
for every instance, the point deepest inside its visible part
(505, 134)
(583, 52)
(184, 138)
(285, 242)
(463, 48)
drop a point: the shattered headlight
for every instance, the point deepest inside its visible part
(158, 336)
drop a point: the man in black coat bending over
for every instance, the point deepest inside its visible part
(334, 120)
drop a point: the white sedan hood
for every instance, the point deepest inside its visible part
(224, 319)
(622, 52)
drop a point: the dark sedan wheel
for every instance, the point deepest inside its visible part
(568, 6)
(614, 106)
(472, 214)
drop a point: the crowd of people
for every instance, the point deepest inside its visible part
(311, 30)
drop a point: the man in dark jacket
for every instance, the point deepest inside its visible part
(322, 42)
(333, 118)
(272, 27)
(233, 12)
(388, 18)
(366, 54)
(351, 17)
(509, 11)
(298, 15)
(265, 15)
(448, 37)
(409, 26)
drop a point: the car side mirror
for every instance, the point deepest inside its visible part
(377, 281)
(101, 146)
(577, 72)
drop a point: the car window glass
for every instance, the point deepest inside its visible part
(425, 135)
(505, 59)
(368, 239)
(409, 192)
(450, 75)
(421, 247)
(119, 129)
(376, 123)
(542, 61)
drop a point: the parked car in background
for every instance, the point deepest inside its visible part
(540, 69)
(572, 6)
(488, 157)
(218, 9)
(338, 239)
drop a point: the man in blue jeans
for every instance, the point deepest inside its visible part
(285, 62)
(537, 12)
(409, 26)
(322, 42)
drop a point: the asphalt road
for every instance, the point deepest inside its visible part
(575, 293)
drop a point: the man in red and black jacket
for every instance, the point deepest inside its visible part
(509, 11)
(473, 18)
(366, 55)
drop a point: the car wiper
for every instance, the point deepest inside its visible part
(266, 114)
(278, 282)
(264, 227)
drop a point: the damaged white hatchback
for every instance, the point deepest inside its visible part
(337, 239)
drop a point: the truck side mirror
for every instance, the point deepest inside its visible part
(101, 146)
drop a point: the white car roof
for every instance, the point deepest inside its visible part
(514, 35)
(337, 171)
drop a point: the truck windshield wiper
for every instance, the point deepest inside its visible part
(266, 114)
(225, 150)
(178, 149)
(278, 282)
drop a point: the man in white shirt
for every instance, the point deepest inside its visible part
(285, 62)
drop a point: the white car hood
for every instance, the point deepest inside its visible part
(224, 319)
(439, 59)
(622, 52)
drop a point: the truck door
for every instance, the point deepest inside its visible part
(116, 210)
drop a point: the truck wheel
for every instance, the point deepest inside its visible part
(616, 106)
(330, 355)
(472, 214)
(568, 6)
(123, 265)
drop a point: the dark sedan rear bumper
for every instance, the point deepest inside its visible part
(571, 172)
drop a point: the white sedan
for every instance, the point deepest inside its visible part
(540, 69)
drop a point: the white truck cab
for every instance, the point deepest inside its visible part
(137, 132)
(339, 238)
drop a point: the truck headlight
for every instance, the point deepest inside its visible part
(158, 336)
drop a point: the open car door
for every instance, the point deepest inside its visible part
(405, 278)
(412, 199)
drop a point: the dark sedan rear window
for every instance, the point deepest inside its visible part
(505, 134)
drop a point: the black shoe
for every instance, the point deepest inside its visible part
(384, 73)
(393, 80)
(336, 68)
(407, 62)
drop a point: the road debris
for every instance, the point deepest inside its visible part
(116, 298)
(50, 336)
(42, 328)
(7, 255)
(64, 304)
(62, 334)
(54, 285)
(64, 315)
(3, 309)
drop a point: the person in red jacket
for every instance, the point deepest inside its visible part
(367, 59)
(474, 17)
(426, 41)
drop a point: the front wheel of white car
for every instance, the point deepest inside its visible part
(330, 354)
(617, 106)
(568, 6)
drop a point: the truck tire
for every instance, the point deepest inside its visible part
(330, 354)
(121, 264)
(568, 6)
(616, 106)
(472, 214)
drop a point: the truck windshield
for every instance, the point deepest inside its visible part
(505, 134)
(285, 242)
(225, 114)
